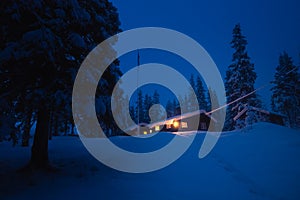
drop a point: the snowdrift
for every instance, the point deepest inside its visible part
(260, 162)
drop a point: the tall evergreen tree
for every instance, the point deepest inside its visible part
(214, 106)
(200, 93)
(156, 112)
(132, 113)
(42, 46)
(285, 97)
(240, 78)
(172, 108)
(140, 107)
(147, 105)
(298, 96)
(155, 97)
(209, 99)
(169, 109)
(186, 104)
(175, 107)
(192, 103)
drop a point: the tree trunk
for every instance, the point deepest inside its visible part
(66, 127)
(51, 125)
(73, 125)
(26, 134)
(55, 131)
(39, 151)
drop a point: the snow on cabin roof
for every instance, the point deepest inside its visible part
(256, 109)
(240, 113)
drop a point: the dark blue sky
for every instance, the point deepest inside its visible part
(269, 26)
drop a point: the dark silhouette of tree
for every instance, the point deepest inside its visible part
(139, 109)
(155, 98)
(191, 101)
(147, 105)
(176, 110)
(285, 97)
(169, 109)
(42, 46)
(132, 113)
(240, 79)
(200, 93)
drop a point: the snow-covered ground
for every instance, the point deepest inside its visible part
(262, 162)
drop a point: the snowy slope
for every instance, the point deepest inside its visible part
(262, 162)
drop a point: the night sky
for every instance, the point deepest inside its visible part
(270, 27)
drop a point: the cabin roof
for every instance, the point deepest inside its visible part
(246, 108)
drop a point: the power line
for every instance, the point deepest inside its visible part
(238, 99)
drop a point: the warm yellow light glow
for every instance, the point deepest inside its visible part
(176, 124)
(145, 132)
(157, 128)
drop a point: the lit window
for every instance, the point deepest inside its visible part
(176, 124)
(157, 128)
(184, 125)
(145, 132)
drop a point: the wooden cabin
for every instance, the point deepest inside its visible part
(264, 115)
(193, 121)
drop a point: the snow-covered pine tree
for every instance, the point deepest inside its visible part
(156, 98)
(251, 117)
(200, 93)
(212, 98)
(217, 113)
(175, 107)
(42, 46)
(285, 95)
(132, 113)
(298, 96)
(240, 78)
(139, 109)
(147, 105)
(186, 104)
(172, 107)
(156, 113)
(7, 122)
(192, 103)
(169, 109)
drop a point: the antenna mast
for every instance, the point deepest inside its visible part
(137, 86)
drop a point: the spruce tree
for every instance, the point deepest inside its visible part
(200, 93)
(156, 113)
(42, 46)
(169, 109)
(155, 97)
(140, 107)
(240, 79)
(175, 107)
(147, 105)
(192, 103)
(285, 97)
(298, 96)
(132, 113)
